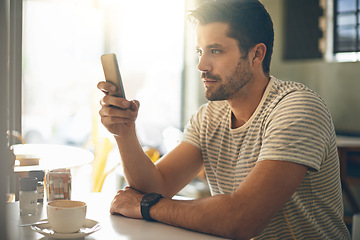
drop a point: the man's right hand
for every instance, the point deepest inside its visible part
(117, 114)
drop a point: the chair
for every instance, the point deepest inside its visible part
(102, 149)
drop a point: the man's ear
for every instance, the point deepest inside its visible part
(258, 54)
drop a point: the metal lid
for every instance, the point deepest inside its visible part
(39, 174)
(28, 184)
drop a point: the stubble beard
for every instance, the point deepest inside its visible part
(233, 84)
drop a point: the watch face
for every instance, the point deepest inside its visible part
(150, 197)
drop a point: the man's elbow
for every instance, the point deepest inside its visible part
(244, 232)
(240, 235)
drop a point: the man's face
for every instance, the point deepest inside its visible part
(224, 70)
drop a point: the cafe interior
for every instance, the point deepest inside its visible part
(50, 65)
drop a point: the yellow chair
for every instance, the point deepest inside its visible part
(102, 178)
(102, 147)
(99, 180)
(101, 153)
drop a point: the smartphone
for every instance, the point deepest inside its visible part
(112, 73)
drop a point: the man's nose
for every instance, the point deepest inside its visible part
(204, 64)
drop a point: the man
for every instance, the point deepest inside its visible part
(268, 146)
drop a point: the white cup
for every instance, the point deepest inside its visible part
(66, 216)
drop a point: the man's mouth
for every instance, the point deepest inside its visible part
(208, 78)
(205, 80)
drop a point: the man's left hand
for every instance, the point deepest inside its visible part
(127, 203)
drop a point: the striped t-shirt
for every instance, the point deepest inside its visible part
(292, 124)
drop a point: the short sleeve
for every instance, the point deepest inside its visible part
(298, 130)
(193, 128)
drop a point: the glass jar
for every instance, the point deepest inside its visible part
(39, 174)
(28, 196)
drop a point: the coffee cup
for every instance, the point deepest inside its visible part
(66, 216)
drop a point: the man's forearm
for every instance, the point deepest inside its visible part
(242, 214)
(211, 215)
(139, 170)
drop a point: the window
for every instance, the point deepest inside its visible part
(347, 30)
(63, 42)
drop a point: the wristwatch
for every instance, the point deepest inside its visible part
(147, 201)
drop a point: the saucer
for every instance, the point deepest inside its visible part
(90, 226)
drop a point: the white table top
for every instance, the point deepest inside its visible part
(112, 226)
(52, 156)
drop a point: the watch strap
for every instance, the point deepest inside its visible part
(145, 205)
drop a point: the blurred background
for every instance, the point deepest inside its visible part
(55, 48)
(316, 43)
(62, 42)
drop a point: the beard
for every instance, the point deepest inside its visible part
(233, 83)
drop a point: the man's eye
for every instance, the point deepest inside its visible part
(199, 52)
(215, 51)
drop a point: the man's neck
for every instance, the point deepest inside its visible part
(244, 104)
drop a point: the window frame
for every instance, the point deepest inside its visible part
(334, 54)
(10, 78)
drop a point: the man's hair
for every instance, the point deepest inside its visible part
(248, 20)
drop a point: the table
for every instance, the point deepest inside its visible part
(112, 226)
(346, 146)
(52, 156)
